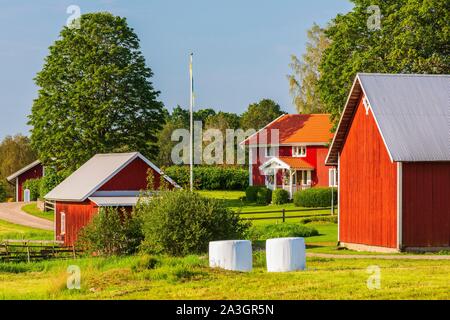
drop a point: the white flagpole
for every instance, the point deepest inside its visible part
(191, 111)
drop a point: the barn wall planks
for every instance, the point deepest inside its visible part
(34, 173)
(132, 177)
(78, 214)
(426, 204)
(368, 186)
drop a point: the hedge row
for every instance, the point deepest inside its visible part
(315, 197)
(210, 178)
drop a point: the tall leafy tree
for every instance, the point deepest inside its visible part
(260, 114)
(305, 73)
(413, 37)
(95, 95)
(15, 153)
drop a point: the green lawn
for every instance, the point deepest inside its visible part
(190, 278)
(15, 231)
(32, 209)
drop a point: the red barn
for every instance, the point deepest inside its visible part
(290, 153)
(106, 180)
(34, 170)
(392, 148)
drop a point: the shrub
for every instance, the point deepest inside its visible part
(263, 196)
(33, 185)
(211, 177)
(282, 230)
(49, 181)
(325, 219)
(280, 196)
(112, 232)
(315, 197)
(3, 192)
(180, 223)
(251, 193)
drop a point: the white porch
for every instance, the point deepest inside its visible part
(295, 174)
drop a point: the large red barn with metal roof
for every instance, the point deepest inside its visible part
(392, 148)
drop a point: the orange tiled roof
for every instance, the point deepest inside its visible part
(296, 163)
(298, 128)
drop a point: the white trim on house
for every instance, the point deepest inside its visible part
(399, 205)
(17, 189)
(243, 142)
(250, 166)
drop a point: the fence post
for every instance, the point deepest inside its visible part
(284, 215)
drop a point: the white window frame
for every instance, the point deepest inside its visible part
(299, 151)
(333, 177)
(62, 227)
(270, 151)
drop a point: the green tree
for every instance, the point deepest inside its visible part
(15, 153)
(305, 73)
(95, 95)
(414, 37)
(260, 114)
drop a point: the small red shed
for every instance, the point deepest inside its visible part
(34, 170)
(106, 180)
(392, 148)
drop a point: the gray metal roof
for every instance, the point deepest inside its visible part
(93, 174)
(411, 111)
(115, 201)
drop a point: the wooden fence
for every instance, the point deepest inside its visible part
(282, 214)
(29, 250)
(49, 206)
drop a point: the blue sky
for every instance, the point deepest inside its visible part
(242, 47)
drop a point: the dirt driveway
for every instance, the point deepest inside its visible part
(11, 212)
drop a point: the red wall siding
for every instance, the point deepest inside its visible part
(34, 173)
(426, 204)
(77, 216)
(132, 177)
(315, 155)
(368, 186)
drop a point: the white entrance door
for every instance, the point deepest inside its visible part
(26, 195)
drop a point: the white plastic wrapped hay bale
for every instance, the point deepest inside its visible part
(285, 254)
(233, 255)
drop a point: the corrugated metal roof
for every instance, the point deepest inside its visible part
(411, 111)
(23, 170)
(115, 201)
(90, 176)
(93, 174)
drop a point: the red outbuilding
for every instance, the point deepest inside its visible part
(106, 180)
(34, 170)
(392, 148)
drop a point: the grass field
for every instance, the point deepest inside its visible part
(14, 231)
(32, 209)
(190, 278)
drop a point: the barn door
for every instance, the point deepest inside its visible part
(26, 195)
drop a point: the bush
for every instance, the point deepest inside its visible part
(180, 223)
(280, 196)
(282, 230)
(263, 196)
(315, 197)
(251, 193)
(211, 177)
(49, 181)
(33, 185)
(112, 232)
(3, 192)
(325, 219)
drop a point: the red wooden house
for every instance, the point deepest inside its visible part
(290, 153)
(106, 180)
(34, 170)
(392, 148)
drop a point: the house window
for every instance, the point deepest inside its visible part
(270, 151)
(299, 151)
(63, 223)
(333, 177)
